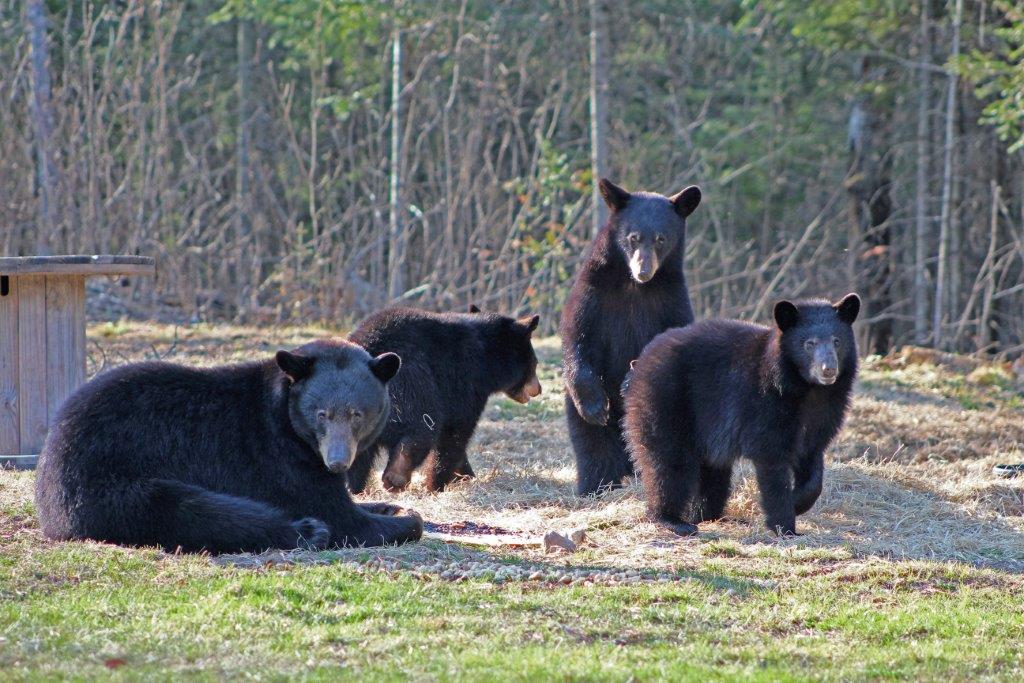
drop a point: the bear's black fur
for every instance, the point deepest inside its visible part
(702, 396)
(629, 288)
(451, 364)
(233, 458)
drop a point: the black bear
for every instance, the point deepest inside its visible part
(702, 396)
(451, 364)
(233, 458)
(629, 288)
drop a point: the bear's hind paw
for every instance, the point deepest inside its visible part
(312, 534)
(387, 509)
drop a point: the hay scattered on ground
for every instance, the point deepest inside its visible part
(908, 479)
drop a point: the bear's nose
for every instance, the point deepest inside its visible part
(828, 371)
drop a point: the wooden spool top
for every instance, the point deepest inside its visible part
(77, 265)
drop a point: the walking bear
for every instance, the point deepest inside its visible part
(233, 458)
(629, 288)
(452, 363)
(702, 396)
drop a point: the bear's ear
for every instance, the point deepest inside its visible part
(529, 323)
(473, 308)
(847, 308)
(295, 366)
(686, 201)
(385, 366)
(614, 196)
(786, 315)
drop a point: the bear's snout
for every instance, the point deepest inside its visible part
(825, 366)
(530, 389)
(338, 447)
(643, 265)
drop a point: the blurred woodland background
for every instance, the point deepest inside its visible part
(312, 160)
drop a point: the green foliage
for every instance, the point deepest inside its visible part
(315, 33)
(838, 24)
(999, 76)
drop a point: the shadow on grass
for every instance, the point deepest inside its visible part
(900, 520)
(422, 560)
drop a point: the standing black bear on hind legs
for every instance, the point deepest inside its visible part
(629, 288)
(701, 397)
(241, 457)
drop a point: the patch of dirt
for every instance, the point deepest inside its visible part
(465, 528)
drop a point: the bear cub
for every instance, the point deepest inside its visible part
(451, 364)
(235, 458)
(629, 288)
(702, 396)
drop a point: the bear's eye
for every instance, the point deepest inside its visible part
(659, 239)
(355, 414)
(809, 345)
(835, 341)
(321, 416)
(634, 238)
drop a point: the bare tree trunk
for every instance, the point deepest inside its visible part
(868, 185)
(947, 183)
(921, 204)
(42, 119)
(242, 200)
(598, 106)
(396, 243)
(983, 336)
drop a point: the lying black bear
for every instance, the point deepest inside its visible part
(233, 458)
(452, 363)
(629, 288)
(702, 396)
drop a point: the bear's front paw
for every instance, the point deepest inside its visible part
(594, 411)
(783, 530)
(312, 534)
(676, 526)
(395, 482)
(382, 508)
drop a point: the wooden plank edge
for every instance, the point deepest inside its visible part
(86, 269)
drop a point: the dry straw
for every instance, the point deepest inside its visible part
(909, 478)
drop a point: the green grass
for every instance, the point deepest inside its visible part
(762, 613)
(986, 388)
(67, 609)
